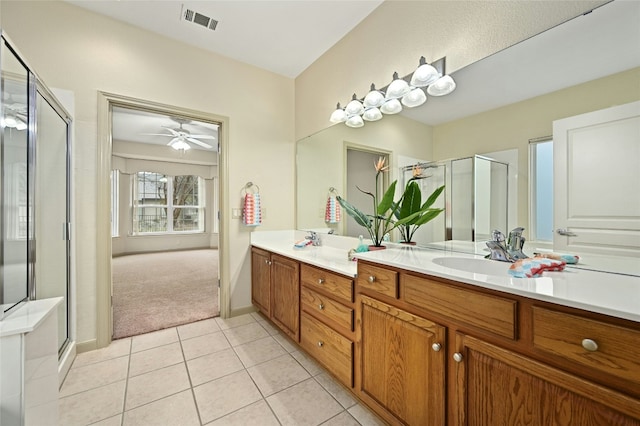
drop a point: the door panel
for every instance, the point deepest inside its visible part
(597, 181)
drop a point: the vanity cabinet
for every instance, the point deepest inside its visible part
(328, 320)
(431, 351)
(275, 289)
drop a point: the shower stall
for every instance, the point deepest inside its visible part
(475, 199)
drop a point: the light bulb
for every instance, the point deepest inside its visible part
(338, 116)
(355, 121)
(180, 145)
(354, 107)
(372, 114)
(424, 75)
(374, 98)
(443, 86)
(392, 106)
(398, 88)
(414, 98)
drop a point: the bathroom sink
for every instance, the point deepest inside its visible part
(475, 266)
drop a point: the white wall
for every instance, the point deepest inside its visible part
(73, 49)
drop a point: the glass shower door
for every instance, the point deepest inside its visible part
(52, 236)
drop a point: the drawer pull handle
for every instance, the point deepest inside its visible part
(320, 343)
(321, 281)
(371, 279)
(457, 357)
(436, 347)
(321, 306)
(590, 345)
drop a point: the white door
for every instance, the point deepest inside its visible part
(597, 181)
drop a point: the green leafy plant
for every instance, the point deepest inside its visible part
(410, 212)
(382, 221)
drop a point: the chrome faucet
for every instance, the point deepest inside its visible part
(314, 238)
(508, 251)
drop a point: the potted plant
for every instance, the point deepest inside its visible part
(382, 221)
(410, 212)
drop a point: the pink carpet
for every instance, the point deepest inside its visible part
(153, 291)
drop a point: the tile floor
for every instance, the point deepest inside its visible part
(239, 371)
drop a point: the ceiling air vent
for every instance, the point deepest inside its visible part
(198, 18)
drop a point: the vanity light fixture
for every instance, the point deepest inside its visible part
(410, 91)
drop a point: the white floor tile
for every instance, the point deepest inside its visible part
(116, 349)
(213, 366)
(178, 409)
(336, 390)
(152, 359)
(306, 403)
(259, 351)
(198, 328)
(204, 345)
(156, 384)
(342, 419)
(93, 405)
(154, 339)
(220, 397)
(245, 333)
(228, 323)
(257, 413)
(277, 374)
(94, 375)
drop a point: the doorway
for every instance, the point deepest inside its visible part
(167, 221)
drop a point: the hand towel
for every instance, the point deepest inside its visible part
(568, 258)
(534, 267)
(332, 211)
(251, 212)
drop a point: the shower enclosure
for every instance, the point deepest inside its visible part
(35, 197)
(475, 198)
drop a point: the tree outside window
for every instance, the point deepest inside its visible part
(158, 197)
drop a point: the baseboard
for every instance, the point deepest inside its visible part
(86, 346)
(242, 311)
(64, 364)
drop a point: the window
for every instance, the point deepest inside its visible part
(167, 204)
(115, 204)
(541, 189)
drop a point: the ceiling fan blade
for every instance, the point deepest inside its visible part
(157, 134)
(197, 142)
(172, 141)
(173, 132)
(203, 137)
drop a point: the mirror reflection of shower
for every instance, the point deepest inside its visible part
(475, 201)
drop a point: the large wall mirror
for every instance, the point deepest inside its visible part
(503, 106)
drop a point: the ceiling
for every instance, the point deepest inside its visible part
(284, 37)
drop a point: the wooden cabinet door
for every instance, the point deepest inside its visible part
(285, 295)
(261, 280)
(495, 387)
(401, 369)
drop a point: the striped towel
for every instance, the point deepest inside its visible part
(332, 211)
(252, 213)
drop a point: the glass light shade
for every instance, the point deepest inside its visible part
(354, 108)
(20, 125)
(338, 116)
(10, 121)
(424, 75)
(414, 98)
(180, 145)
(443, 86)
(355, 121)
(398, 88)
(372, 114)
(392, 106)
(374, 98)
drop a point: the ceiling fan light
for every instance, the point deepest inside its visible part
(372, 114)
(443, 86)
(355, 121)
(338, 116)
(374, 98)
(398, 88)
(20, 125)
(10, 121)
(414, 98)
(392, 106)
(180, 145)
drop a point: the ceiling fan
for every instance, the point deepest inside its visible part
(14, 114)
(182, 137)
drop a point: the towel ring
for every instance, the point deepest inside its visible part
(250, 185)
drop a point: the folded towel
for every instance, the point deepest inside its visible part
(568, 258)
(534, 267)
(302, 243)
(332, 211)
(251, 212)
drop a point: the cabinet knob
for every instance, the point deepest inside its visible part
(321, 306)
(590, 345)
(457, 357)
(436, 347)
(371, 279)
(320, 343)
(320, 280)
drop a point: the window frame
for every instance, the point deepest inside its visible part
(169, 206)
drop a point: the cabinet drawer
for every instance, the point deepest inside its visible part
(326, 309)
(334, 284)
(491, 313)
(331, 349)
(383, 281)
(573, 337)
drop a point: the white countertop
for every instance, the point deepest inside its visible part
(611, 294)
(27, 317)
